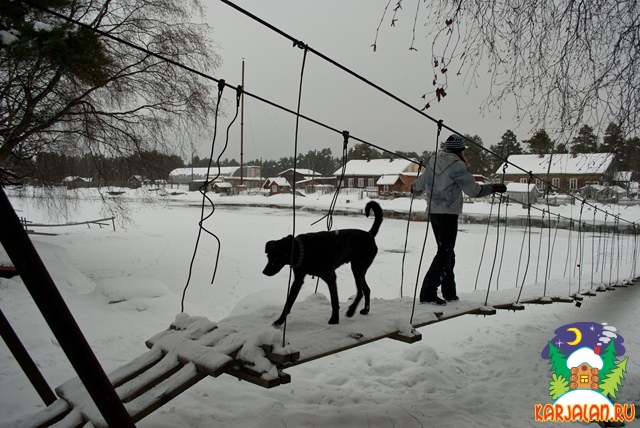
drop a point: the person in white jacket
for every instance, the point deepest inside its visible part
(444, 179)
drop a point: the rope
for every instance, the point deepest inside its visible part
(495, 254)
(548, 271)
(526, 270)
(540, 245)
(604, 251)
(426, 233)
(506, 225)
(203, 191)
(336, 193)
(295, 167)
(484, 244)
(273, 104)
(406, 239)
(579, 249)
(553, 246)
(593, 243)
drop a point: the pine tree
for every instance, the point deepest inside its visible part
(558, 386)
(540, 143)
(585, 142)
(477, 156)
(611, 384)
(507, 146)
(609, 359)
(558, 362)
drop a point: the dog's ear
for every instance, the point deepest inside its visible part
(267, 246)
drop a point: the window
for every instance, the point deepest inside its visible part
(274, 188)
(360, 182)
(351, 182)
(539, 184)
(573, 184)
(584, 379)
(523, 180)
(386, 188)
(555, 182)
(371, 182)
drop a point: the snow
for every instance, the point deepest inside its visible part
(125, 287)
(584, 355)
(562, 163)
(375, 167)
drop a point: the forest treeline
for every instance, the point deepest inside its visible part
(54, 167)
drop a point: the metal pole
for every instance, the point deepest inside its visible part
(45, 294)
(26, 362)
(242, 129)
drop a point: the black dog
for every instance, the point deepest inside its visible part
(320, 254)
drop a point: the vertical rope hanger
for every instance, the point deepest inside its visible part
(406, 237)
(604, 249)
(336, 193)
(524, 275)
(305, 49)
(484, 244)
(553, 246)
(593, 243)
(548, 270)
(203, 188)
(426, 233)
(495, 254)
(540, 244)
(506, 225)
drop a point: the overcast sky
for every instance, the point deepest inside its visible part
(343, 31)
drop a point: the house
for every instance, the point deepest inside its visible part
(522, 192)
(221, 187)
(568, 171)
(299, 174)
(585, 365)
(379, 175)
(194, 177)
(603, 193)
(76, 182)
(136, 181)
(276, 185)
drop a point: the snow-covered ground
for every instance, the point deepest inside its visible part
(124, 287)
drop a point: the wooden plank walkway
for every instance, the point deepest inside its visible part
(248, 347)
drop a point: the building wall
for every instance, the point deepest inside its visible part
(563, 180)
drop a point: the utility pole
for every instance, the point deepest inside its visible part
(242, 129)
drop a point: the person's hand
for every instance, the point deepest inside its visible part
(499, 188)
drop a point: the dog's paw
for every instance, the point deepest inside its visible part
(334, 321)
(277, 323)
(364, 311)
(350, 312)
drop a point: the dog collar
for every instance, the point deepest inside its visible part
(300, 252)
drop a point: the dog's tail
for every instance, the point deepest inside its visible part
(378, 216)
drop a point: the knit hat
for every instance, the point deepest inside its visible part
(455, 143)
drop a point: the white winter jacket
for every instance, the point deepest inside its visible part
(451, 179)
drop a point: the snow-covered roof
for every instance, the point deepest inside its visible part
(584, 355)
(374, 167)
(562, 163)
(280, 181)
(201, 172)
(75, 178)
(388, 180)
(223, 184)
(520, 187)
(305, 172)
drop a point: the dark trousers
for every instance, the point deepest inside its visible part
(445, 230)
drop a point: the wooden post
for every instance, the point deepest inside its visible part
(26, 362)
(45, 294)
